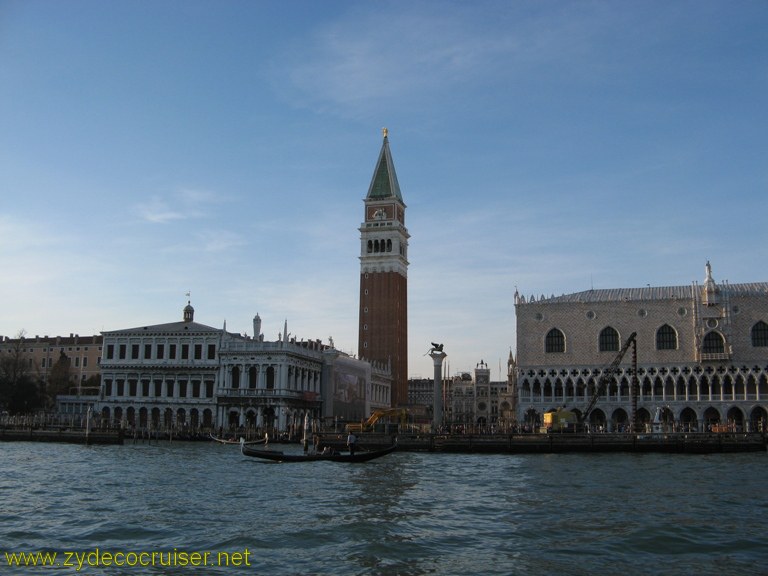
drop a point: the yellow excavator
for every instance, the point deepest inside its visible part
(560, 420)
(387, 413)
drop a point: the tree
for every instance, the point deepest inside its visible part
(26, 397)
(19, 392)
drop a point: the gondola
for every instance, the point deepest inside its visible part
(248, 442)
(276, 456)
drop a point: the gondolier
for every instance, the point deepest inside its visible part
(351, 441)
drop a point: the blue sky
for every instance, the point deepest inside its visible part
(224, 148)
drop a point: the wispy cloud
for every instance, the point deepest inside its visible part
(375, 57)
(213, 241)
(183, 204)
(158, 211)
(358, 60)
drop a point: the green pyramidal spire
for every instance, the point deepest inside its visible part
(384, 183)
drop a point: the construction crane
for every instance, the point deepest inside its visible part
(605, 377)
(564, 420)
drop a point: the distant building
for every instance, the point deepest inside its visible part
(270, 385)
(383, 315)
(462, 403)
(186, 376)
(702, 354)
(274, 385)
(481, 405)
(161, 376)
(66, 366)
(82, 353)
(471, 403)
(421, 391)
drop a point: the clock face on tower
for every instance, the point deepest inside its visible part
(379, 213)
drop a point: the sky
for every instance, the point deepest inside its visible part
(224, 148)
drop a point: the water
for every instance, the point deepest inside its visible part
(408, 513)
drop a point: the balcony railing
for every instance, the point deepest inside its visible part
(714, 356)
(258, 347)
(272, 393)
(146, 365)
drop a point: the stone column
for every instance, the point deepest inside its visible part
(437, 402)
(282, 378)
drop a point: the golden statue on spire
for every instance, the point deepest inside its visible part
(385, 132)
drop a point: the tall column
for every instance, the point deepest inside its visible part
(437, 399)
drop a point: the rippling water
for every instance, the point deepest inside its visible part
(409, 513)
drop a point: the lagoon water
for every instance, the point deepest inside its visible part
(408, 513)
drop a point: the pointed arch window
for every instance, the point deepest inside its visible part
(760, 335)
(666, 338)
(713, 343)
(609, 340)
(554, 341)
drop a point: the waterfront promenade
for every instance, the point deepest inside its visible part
(691, 443)
(694, 443)
(61, 435)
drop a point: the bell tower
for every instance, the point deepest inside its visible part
(383, 332)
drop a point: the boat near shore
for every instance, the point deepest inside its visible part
(331, 456)
(237, 441)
